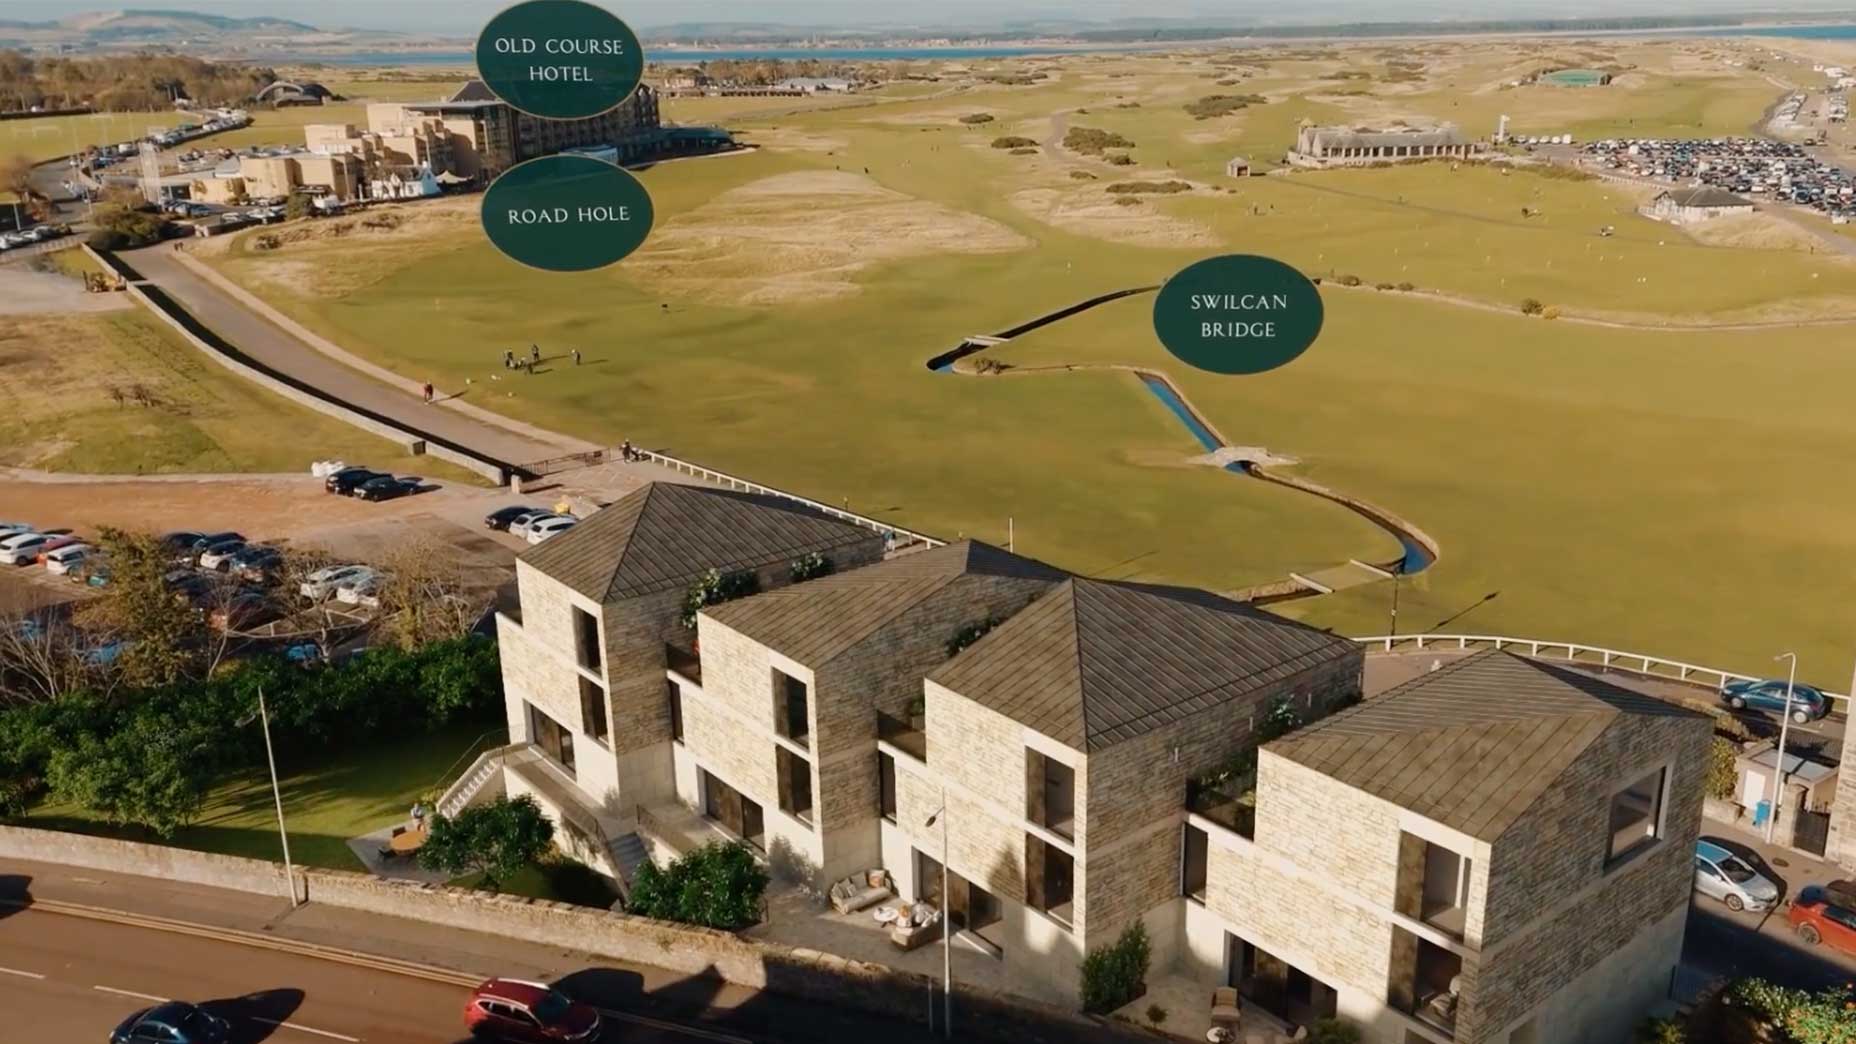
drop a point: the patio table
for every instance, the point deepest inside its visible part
(886, 914)
(407, 843)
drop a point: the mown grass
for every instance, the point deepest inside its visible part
(1625, 487)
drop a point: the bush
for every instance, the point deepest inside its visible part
(1081, 175)
(495, 840)
(1027, 151)
(1222, 105)
(1156, 1014)
(1382, 286)
(1014, 142)
(1161, 188)
(1114, 975)
(717, 886)
(130, 226)
(969, 634)
(1406, 287)
(1121, 159)
(974, 119)
(1333, 1031)
(1349, 280)
(1532, 307)
(715, 587)
(104, 239)
(1091, 141)
(1661, 1031)
(809, 567)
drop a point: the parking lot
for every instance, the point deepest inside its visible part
(1757, 168)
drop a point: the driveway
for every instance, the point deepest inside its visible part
(1722, 942)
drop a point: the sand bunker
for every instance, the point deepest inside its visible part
(1092, 212)
(804, 237)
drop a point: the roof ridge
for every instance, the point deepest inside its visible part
(631, 532)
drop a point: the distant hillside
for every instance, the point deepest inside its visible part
(168, 29)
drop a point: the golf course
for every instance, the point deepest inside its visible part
(1656, 459)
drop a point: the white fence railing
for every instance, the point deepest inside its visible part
(1574, 652)
(722, 478)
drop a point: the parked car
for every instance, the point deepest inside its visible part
(23, 548)
(175, 1022)
(57, 541)
(363, 592)
(8, 529)
(257, 564)
(218, 556)
(1825, 914)
(347, 480)
(180, 540)
(515, 1010)
(502, 517)
(520, 525)
(543, 530)
(242, 610)
(320, 585)
(386, 488)
(1720, 874)
(61, 561)
(1808, 703)
(190, 555)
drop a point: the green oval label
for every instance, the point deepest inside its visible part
(1238, 314)
(559, 59)
(567, 213)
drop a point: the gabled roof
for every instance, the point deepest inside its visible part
(1706, 196)
(1094, 663)
(812, 622)
(666, 535)
(474, 91)
(1473, 744)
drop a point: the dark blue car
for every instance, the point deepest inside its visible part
(1808, 704)
(175, 1022)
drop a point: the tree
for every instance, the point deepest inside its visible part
(43, 656)
(16, 175)
(164, 640)
(151, 771)
(423, 596)
(717, 886)
(1722, 773)
(494, 840)
(296, 206)
(1113, 975)
(124, 227)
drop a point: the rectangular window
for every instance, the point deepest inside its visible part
(586, 639)
(1192, 873)
(592, 709)
(1050, 878)
(726, 806)
(552, 737)
(790, 717)
(1050, 794)
(674, 693)
(886, 787)
(795, 777)
(1636, 818)
(927, 879)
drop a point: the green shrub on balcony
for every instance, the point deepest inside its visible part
(809, 567)
(969, 634)
(715, 587)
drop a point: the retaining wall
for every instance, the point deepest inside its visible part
(130, 857)
(755, 964)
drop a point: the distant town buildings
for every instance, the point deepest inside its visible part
(1342, 146)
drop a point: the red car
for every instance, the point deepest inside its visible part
(1826, 915)
(514, 1010)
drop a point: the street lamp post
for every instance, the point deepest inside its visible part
(947, 926)
(1397, 572)
(277, 795)
(1785, 724)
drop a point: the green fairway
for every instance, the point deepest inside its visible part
(1623, 486)
(326, 802)
(49, 136)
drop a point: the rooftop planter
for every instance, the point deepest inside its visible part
(715, 587)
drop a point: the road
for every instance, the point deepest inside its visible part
(273, 347)
(1721, 942)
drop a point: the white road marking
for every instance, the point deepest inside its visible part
(131, 993)
(307, 1029)
(21, 974)
(674, 1027)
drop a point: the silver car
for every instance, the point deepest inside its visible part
(1725, 876)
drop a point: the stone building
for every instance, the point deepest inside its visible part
(488, 135)
(1342, 146)
(1690, 205)
(1499, 851)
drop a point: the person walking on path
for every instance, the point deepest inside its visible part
(534, 354)
(428, 393)
(576, 356)
(509, 359)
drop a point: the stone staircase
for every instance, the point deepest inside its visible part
(628, 853)
(486, 769)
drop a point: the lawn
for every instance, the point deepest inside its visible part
(49, 136)
(1628, 487)
(325, 803)
(180, 412)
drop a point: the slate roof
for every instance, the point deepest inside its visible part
(1094, 663)
(1342, 138)
(474, 90)
(1706, 196)
(814, 621)
(1473, 744)
(666, 535)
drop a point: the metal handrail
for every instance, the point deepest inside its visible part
(471, 752)
(722, 478)
(1577, 652)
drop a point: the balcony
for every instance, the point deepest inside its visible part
(1229, 801)
(684, 662)
(903, 736)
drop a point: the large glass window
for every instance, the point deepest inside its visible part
(886, 786)
(592, 709)
(586, 639)
(674, 693)
(790, 718)
(726, 806)
(1636, 817)
(795, 778)
(552, 737)
(1193, 869)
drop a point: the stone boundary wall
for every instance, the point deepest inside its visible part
(413, 443)
(788, 971)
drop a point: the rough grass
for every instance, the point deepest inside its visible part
(58, 413)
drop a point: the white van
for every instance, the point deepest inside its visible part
(66, 558)
(23, 548)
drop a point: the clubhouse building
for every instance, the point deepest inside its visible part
(1497, 852)
(1343, 146)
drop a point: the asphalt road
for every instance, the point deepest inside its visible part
(72, 980)
(1722, 942)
